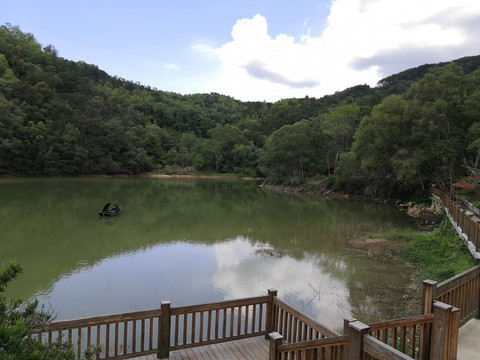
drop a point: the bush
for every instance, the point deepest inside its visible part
(18, 319)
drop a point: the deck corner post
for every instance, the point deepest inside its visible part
(444, 332)
(356, 331)
(346, 325)
(429, 293)
(164, 345)
(428, 296)
(453, 336)
(275, 340)
(270, 317)
(477, 316)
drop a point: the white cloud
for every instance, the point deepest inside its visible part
(205, 49)
(364, 41)
(171, 66)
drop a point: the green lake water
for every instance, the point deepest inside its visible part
(191, 241)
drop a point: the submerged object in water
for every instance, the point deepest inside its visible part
(110, 209)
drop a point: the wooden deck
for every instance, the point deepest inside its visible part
(245, 349)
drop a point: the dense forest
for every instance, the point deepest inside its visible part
(65, 118)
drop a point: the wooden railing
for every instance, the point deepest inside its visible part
(332, 348)
(431, 336)
(207, 324)
(408, 335)
(120, 336)
(158, 331)
(296, 336)
(469, 226)
(295, 326)
(377, 350)
(292, 334)
(428, 337)
(461, 291)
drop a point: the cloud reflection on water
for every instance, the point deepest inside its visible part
(248, 269)
(191, 273)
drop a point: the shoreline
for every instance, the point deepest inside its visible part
(159, 176)
(175, 176)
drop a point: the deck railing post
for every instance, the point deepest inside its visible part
(453, 334)
(275, 340)
(346, 331)
(477, 305)
(428, 297)
(270, 316)
(444, 332)
(164, 328)
(477, 237)
(356, 332)
(346, 325)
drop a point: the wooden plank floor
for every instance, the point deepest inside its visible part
(245, 349)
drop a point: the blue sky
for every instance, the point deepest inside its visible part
(252, 50)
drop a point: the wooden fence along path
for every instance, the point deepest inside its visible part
(291, 334)
(462, 290)
(217, 327)
(466, 222)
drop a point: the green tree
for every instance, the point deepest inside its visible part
(224, 138)
(380, 136)
(291, 153)
(339, 124)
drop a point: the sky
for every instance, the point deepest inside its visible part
(252, 50)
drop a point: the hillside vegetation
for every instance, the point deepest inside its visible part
(65, 118)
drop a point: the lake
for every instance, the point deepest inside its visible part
(193, 241)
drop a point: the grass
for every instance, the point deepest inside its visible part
(435, 256)
(438, 255)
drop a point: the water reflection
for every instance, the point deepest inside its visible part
(187, 273)
(189, 241)
(246, 269)
(134, 281)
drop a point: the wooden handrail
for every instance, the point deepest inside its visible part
(415, 320)
(159, 331)
(381, 351)
(410, 336)
(100, 320)
(137, 333)
(207, 324)
(333, 348)
(317, 343)
(457, 280)
(468, 226)
(463, 290)
(295, 326)
(219, 305)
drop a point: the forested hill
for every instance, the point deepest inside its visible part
(65, 118)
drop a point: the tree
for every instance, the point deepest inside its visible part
(340, 124)
(18, 319)
(379, 136)
(291, 153)
(224, 138)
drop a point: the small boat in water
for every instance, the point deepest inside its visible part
(110, 209)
